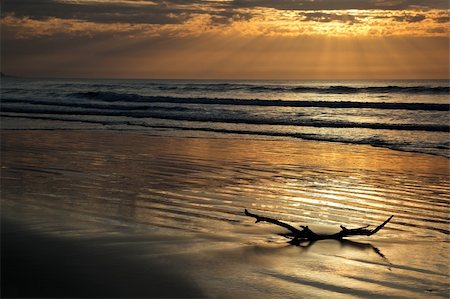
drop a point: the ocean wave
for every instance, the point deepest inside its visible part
(378, 89)
(284, 88)
(114, 97)
(215, 87)
(221, 118)
(99, 106)
(336, 89)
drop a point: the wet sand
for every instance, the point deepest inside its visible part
(35, 264)
(115, 214)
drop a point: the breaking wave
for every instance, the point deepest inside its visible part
(114, 97)
(335, 89)
(170, 113)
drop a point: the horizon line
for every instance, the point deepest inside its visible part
(7, 75)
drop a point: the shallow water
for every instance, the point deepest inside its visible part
(198, 187)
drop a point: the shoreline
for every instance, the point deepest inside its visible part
(260, 137)
(233, 136)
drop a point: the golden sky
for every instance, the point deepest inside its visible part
(227, 39)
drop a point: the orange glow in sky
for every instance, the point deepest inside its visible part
(326, 39)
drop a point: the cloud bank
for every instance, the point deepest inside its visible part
(194, 38)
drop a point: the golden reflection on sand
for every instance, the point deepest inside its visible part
(202, 185)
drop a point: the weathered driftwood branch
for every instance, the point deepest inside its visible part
(306, 234)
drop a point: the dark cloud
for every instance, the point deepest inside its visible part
(342, 4)
(409, 18)
(445, 19)
(162, 12)
(227, 17)
(437, 30)
(94, 12)
(178, 11)
(328, 17)
(352, 19)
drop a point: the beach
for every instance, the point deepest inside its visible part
(225, 149)
(91, 213)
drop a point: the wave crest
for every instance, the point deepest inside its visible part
(113, 96)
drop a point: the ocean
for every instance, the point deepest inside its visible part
(401, 115)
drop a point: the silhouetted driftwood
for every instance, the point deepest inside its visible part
(306, 234)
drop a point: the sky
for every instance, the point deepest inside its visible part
(226, 39)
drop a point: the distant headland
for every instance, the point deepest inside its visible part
(3, 75)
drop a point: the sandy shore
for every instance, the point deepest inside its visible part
(107, 214)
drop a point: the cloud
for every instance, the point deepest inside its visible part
(329, 17)
(179, 18)
(409, 18)
(26, 28)
(438, 30)
(342, 4)
(133, 12)
(445, 19)
(178, 11)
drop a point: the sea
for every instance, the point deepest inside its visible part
(406, 115)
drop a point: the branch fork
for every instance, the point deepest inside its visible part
(306, 234)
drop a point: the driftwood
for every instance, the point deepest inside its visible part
(306, 234)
